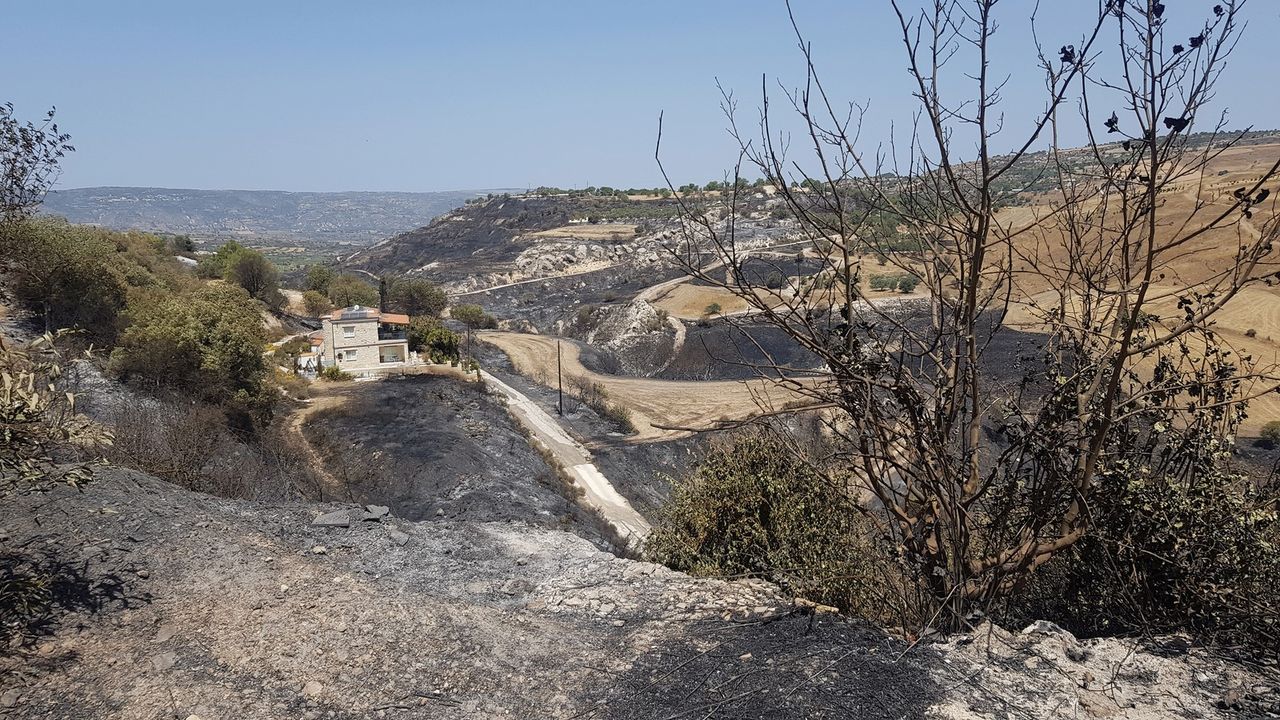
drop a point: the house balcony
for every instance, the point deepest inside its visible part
(392, 334)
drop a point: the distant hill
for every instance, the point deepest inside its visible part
(489, 236)
(256, 216)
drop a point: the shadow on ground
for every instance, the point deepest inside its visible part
(792, 667)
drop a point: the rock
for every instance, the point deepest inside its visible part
(375, 512)
(164, 661)
(1075, 653)
(312, 689)
(337, 518)
(1095, 704)
(398, 537)
(1231, 699)
(166, 633)
(9, 698)
(1044, 627)
(144, 573)
(319, 550)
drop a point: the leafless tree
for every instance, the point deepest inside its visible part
(976, 460)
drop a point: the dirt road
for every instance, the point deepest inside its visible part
(598, 493)
(653, 403)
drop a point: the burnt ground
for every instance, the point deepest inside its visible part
(434, 448)
(181, 605)
(552, 300)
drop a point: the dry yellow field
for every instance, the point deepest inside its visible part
(1192, 203)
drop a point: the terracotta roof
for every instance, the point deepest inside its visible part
(356, 312)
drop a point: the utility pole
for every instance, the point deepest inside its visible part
(559, 383)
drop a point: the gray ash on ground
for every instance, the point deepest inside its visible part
(433, 447)
(210, 608)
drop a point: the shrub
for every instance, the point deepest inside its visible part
(333, 373)
(712, 309)
(1250, 333)
(1270, 435)
(428, 335)
(37, 418)
(752, 509)
(908, 283)
(1199, 550)
(207, 345)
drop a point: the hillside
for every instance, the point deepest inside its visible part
(357, 218)
(499, 236)
(180, 605)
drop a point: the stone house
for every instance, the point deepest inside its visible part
(361, 339)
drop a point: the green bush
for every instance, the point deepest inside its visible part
(207, 344)
(752, 509)
(333, 373)
(1270, 435)
(908, 283)
(1196, 551)
(428, 335)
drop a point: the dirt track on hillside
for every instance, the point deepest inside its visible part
(657, 406)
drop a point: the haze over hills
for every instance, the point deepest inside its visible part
(352, 217)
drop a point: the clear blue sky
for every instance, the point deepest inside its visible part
(412, 95)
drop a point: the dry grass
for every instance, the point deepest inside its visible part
(1257, 308)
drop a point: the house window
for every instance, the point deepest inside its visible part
(351, 355)
(348, 331)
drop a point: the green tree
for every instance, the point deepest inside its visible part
(315, 303)
(318, 278)
(428, 335)
(473, 316)
(416, 296)
(252, 271)
(216, 265)
(348, 290)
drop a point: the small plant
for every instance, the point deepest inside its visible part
(712, 309)
(1270, 435)
(333, 373)
(1250, 333)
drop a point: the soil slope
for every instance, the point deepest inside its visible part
(184, 605)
